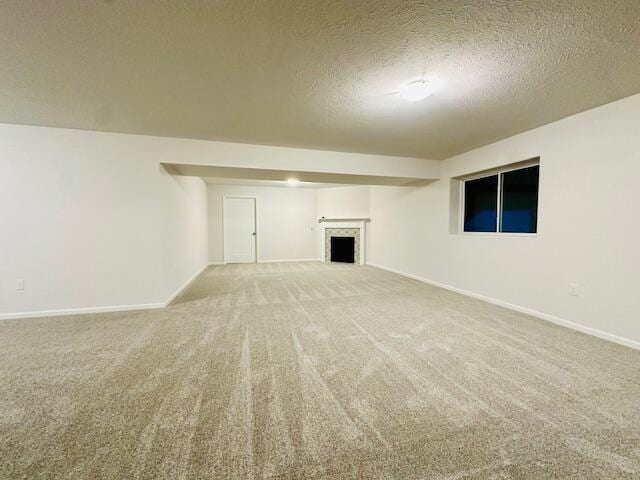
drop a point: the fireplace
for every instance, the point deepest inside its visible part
(354, 230)
(343, 249)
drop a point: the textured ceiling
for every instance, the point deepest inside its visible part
(315, 73)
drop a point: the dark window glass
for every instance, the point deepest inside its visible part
(520, 200)
(480, 204)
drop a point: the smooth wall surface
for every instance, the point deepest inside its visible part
(227, 154)
(589, 224)
(343, 202)
(184, 231)
(286, 221)
(91, 220)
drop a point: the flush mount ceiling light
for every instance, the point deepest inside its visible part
(293, 182)
(417, 90)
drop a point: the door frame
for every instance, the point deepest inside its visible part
(255, 224)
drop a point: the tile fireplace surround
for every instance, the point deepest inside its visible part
(341, 232)
(344, 227)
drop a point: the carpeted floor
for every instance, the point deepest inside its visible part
(315, 371)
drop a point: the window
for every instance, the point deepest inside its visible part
(506, 201)
(481, 204)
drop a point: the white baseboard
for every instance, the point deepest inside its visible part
(627, 342)
(185, 285)
(78, 311)
(275, 261)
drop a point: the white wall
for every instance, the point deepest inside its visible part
(343, 202)
(184, 231)
(226, 154)
(286, 218)
(589, 224)
(92, 220)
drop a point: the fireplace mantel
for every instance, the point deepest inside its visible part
(324, 220)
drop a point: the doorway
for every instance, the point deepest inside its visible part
(239, 226)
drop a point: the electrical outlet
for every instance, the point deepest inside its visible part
(20, 284)
(573, 289)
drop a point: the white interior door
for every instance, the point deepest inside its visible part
(239, 230)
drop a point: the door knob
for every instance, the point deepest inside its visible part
(254, 234)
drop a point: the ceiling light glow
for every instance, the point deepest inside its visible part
(293, 182)
(417, 90)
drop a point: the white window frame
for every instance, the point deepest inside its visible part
(493, 173)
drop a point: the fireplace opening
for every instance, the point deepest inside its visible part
(343, 249)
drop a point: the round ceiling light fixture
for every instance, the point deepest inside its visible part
(417, 90)
(293, 182)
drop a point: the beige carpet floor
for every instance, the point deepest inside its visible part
(315, 371)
